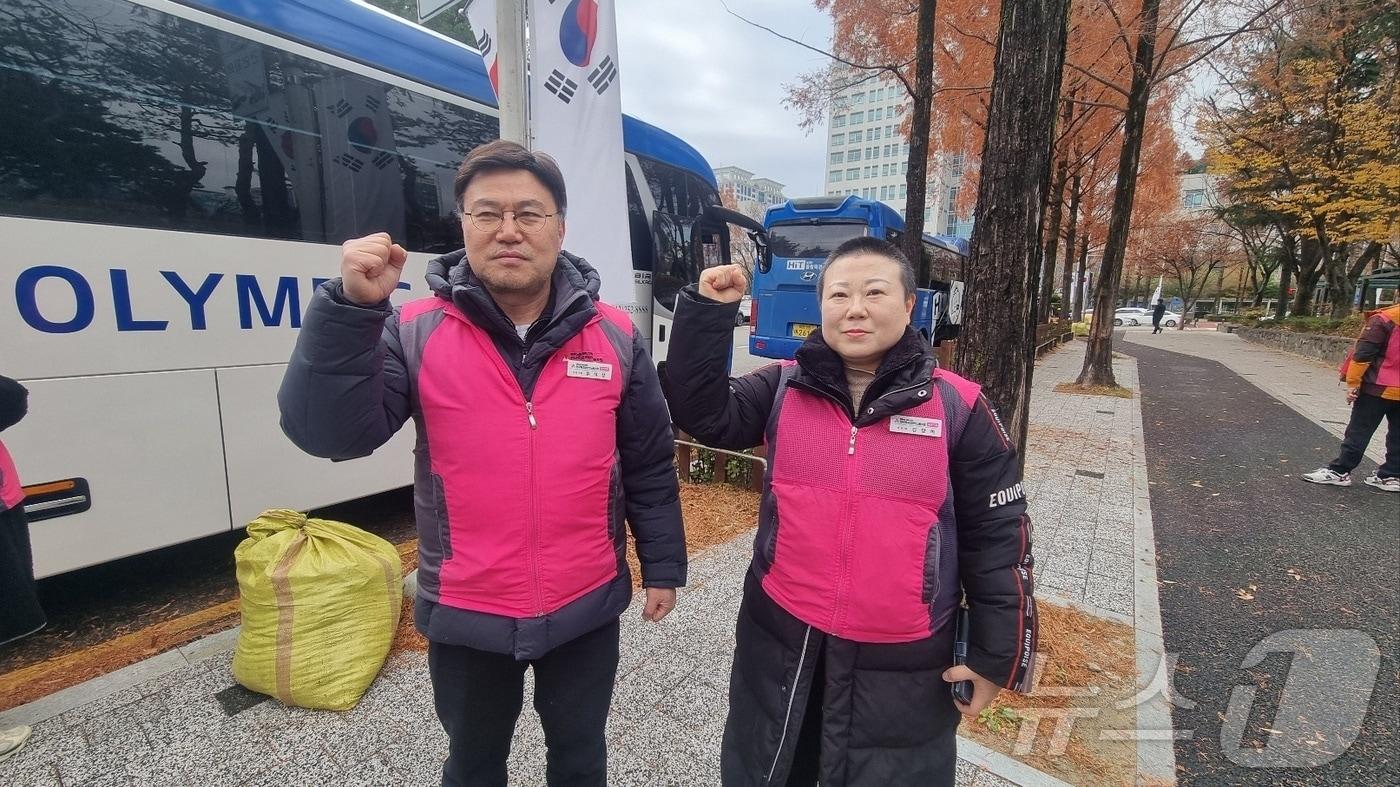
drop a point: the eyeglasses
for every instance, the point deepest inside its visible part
(491, 220)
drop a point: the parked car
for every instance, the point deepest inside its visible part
(1169, 319)
(1131, 315)
(745, 309)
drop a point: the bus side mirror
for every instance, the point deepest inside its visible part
(765, 252)
(720, 215)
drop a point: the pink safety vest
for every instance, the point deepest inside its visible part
(857, 514)
(525, 485)
(11, 494)
(1388, 372)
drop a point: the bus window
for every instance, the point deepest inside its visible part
(944, 265)
(638, 227)
(150, 120)
(675, 266)
(676, 191)
(811, 241)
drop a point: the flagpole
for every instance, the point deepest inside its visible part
(510, 63)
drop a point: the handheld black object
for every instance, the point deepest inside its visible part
(962, 689)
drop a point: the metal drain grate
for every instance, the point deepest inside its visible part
(1088, 473)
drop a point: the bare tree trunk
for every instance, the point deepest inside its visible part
(1344, 287)
(1309, 272)
(1098, 359)
(1079, 280)
(1068, 307)
(1289, 245)
(916, 179)
(997, 344)
(1052, 240)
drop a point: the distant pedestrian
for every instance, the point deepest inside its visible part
(1157, 312)
(20, 614)
(1373, 391)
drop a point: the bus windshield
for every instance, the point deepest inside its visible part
(811, 240)
(803, 233)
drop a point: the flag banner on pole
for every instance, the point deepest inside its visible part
(1157, 294)
(576, 117)
(481, 15)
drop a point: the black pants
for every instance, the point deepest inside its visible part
(1156, 324)
(479, 695)
(20, 614)
(1366, 414)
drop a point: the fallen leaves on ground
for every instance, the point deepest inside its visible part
(1072, 644)
(1095, 390)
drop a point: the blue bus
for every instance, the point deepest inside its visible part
(175, 181)
(802, 232)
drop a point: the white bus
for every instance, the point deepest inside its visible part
(175, 181)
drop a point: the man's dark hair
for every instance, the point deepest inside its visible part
(868, 245)
(501, 155)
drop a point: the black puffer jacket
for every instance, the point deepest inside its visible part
(887, 716)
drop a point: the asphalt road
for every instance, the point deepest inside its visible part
(1250, 557)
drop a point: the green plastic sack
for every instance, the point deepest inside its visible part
(320, 602)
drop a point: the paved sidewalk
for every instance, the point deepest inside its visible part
(193, 726)
(1086, 485)
(1309, 387)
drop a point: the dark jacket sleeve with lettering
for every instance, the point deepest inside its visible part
(994, 551)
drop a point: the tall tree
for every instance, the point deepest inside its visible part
(1153, 66)
(1098, 358)
(1188, 250)
(891, 37)
(1309, 132)
(1001, 274)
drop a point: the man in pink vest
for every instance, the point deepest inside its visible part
(1373, 390)
(541, 431)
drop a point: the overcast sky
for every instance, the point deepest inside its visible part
(696, 71)
(691, 68)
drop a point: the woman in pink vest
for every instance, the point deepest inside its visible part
(20, 614)
(891, 497)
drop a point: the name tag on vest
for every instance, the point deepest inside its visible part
(588, 370)
(923, 427)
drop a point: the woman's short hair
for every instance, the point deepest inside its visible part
(868, 245)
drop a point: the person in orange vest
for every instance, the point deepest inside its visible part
(20, 614)
(1372, 376)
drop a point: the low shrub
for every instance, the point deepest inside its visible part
(1348, 327)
